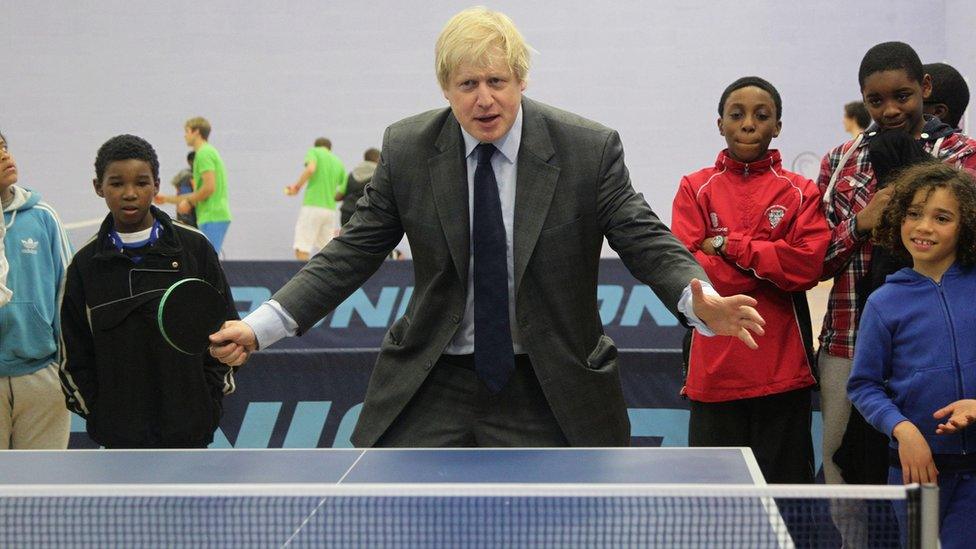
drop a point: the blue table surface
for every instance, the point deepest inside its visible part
(617, 465)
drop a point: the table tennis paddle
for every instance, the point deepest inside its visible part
(189, 311)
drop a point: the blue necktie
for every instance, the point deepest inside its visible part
(494, 355)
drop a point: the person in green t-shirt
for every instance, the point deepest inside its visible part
(326, 176)
(209, 195)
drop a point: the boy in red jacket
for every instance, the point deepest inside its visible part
(757, 230)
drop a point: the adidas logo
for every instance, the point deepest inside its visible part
(29, 246)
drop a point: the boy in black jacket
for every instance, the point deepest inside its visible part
(134, 390)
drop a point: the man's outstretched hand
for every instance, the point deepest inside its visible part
(731, 316)
(233, 343)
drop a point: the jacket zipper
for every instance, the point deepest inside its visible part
(683, 393)
(955, 355)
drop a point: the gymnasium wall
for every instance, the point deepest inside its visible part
(271, 78)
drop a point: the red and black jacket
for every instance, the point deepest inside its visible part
(775, 240)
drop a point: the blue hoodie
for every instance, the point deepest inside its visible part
(916, 352)
(38, 252)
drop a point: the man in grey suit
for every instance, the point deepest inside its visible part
(505, 202)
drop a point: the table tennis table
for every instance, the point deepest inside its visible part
(378, 497)
(387, 466)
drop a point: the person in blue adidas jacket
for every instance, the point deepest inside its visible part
(32, 410)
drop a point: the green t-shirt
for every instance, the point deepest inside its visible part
(215, 207)
(329, 177)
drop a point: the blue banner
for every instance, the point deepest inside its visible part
(632, 315)
(307, 391)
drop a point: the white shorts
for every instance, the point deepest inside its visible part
(315, 228)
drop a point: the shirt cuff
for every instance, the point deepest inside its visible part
(686, 307)
(270, 323)
(855, 235)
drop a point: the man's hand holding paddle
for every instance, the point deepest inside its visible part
(729, 316)
(234, 343)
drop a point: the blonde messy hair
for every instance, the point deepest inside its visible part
(479, 35)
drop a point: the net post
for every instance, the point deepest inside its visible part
(913, 529)
(929, 516)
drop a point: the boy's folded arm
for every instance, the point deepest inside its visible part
(793, 263)
(688, 225)
(727, 278)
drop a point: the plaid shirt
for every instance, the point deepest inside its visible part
(849, 254)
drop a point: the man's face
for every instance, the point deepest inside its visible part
(895, 100)
(749, 123)
(190, 136)
(485, 101)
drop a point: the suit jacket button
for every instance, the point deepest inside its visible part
(175, 265)
(429, 365)
(455, 318)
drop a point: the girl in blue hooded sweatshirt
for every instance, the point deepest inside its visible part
(914, 372)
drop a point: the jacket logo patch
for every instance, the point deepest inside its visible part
(775, 214)
(714, 219)
(29, 246)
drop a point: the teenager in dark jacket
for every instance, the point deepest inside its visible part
(134, 390)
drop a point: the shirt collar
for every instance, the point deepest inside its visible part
(933, 130)
(772, 160)
(507, 145)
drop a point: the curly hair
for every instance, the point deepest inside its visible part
(484, 38)
(928, 176)
(125, 147)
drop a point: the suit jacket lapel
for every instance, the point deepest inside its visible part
(450, 184)
(534, 187)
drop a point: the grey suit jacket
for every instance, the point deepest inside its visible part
(572, 189)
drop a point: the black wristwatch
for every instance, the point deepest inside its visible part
(718, 242)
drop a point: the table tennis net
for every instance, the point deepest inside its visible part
(448, 515)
